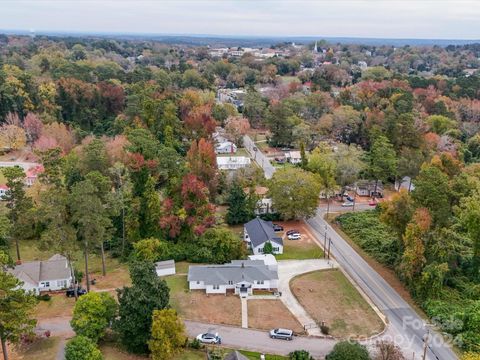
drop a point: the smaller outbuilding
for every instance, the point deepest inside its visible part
(164, 268)
(293, 157)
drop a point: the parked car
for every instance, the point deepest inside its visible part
(71, 292)
(349, 198)
(293, 231)
(209, 338)
(280, 160)
(295, 236)
(373, 203)
(284, 334)
(347, 204)
(277, 227)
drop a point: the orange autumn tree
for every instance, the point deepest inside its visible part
(202, 162)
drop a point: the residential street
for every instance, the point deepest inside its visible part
(255, 340)
(405, 325)
(258, 157)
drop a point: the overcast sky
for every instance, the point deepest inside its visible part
(428, 19)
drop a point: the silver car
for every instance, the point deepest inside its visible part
(209, 338)
(284, 334)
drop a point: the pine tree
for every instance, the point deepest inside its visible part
(238, 211)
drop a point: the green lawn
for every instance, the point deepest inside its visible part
(300, 250)
(252, 355)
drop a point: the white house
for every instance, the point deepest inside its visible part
(258, 232)
(164, 268)
(369, 188)
(226, 147)
(3, 191)
(232, 162)
(239, 276)
(264, 206)
(50, 275)
(293, 157)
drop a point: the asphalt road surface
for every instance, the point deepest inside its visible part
(407, 328)
(256, 340)
(258, 157)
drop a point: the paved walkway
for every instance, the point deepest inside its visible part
(287, 270)
(244, 313)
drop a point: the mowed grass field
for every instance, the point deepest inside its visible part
(328, 296)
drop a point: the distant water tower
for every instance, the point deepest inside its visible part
(32, 33)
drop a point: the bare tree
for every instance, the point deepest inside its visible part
(387, 350)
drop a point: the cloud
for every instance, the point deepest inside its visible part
(374, 18)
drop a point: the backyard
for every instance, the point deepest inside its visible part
(328, 296)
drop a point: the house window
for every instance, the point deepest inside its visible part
(260, 282)
(62, 283)
(230, 282)
(198, 282)
(216, 287)
(45, 284)
(276, 249)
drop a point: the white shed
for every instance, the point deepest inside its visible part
(164, 268)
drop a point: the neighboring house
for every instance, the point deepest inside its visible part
(50, 275)
(3, 191)
(239, 276)
(164, 268)
(258, 232)
(232, 162)
(226, 147)
(264, 206)
(406, 184)
(32, 174)
(293, 157)
(369, 188)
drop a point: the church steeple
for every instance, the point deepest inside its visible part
(315, 48)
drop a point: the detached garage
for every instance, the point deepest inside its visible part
(164, 268)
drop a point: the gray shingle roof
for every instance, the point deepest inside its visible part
(260, 231)
(236, 272)
(56, 268)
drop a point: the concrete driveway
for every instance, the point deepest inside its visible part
(287, 270)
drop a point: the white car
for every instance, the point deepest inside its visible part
(347, 204)
(209, 338)
(294, 236)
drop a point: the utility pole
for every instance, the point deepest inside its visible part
(354, 197)
(325, 244)
(329, 243)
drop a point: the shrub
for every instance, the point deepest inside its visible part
(44, 297)
(300, 355)
(324, 329)
(82, 348)
(376, 238)
(346, 350)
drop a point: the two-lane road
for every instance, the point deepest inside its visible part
(405, 325)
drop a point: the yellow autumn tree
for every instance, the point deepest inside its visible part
(12, 137)
(471, 356)
(168, 335)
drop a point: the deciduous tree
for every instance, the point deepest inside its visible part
(168, 335)
(295, 193)
(93, 314)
